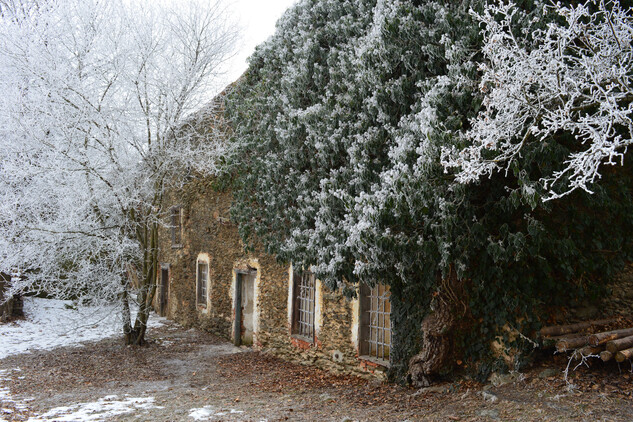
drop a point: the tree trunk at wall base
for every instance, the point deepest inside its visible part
(136, 335)
(436, 345)
(147, 234)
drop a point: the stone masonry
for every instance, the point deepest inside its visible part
(208, 236)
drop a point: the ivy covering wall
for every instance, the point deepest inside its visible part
(339, 124)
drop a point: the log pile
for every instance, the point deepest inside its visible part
(607, 338)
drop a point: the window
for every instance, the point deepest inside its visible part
(176, 227)
(202, 277)
(375, 322)
(304, 292)
(163, 289)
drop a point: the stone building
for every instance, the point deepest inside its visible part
(207, 279)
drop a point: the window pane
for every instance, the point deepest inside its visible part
(377, 335)
(305, 293)
(203, 275)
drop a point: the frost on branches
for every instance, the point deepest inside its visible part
(570, 76)
(94, 96)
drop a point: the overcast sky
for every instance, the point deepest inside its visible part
(258, 19)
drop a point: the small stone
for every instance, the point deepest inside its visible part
(548, 373)
(498, 379)
(489, 396)
(434, 389)
(326, 397)
(375, 382)
(337, 356)
(494, 414)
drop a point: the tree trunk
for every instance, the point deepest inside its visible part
(149, 240)
(125, 311)
(435, 345)
(136, 336)
(437, 329)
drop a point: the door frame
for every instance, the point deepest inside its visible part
(237, 326)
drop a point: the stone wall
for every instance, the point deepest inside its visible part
(617, 302)
(10, 307)
(208, 233)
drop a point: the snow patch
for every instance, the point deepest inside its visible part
(101, 410)
(202, 413)
(206, 412)
(5, 393)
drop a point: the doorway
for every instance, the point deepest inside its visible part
(164, 290)
(244, 306)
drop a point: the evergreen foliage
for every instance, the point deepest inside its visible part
(340, 123)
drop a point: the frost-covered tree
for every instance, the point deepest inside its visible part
(96, 122)
(571, 76)
(340, 123)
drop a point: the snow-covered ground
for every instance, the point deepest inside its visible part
(101, 410)
(51, 323)
(6, 399)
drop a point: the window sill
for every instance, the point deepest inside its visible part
(375, 361)
(303, 338)
(302, 342)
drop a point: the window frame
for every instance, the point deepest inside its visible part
(373, 333)
(175, 224)
(163, 296)
(202, 286)
(302, 317)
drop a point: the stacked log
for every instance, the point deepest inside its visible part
(592, 338)
(557, 330)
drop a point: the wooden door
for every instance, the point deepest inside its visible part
(164, 290)
(244, 307)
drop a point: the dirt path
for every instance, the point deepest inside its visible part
(190, 375)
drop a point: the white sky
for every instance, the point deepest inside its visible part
(257, 18)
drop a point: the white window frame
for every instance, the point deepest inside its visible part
(202, 298)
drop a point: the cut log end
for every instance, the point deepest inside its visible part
(590, 350)
(620, 344)
(571, 343)
(623, 355)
